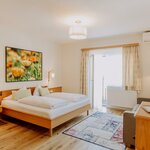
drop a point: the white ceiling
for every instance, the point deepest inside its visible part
(49, 18)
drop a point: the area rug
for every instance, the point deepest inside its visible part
(102, 129)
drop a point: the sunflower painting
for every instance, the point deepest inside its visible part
(23, 65)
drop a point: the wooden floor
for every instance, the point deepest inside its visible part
(18, 135)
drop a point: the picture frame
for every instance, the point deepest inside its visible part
(23, 65)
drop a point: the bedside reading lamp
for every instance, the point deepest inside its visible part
(51, 75)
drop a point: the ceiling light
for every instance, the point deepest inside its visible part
(78, 31)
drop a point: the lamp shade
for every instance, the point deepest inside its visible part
(78, 32)
(51, 75)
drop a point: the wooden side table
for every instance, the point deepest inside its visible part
(142, 128)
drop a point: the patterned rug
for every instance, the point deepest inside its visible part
(102, 129)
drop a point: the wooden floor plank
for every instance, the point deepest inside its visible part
(19, 135)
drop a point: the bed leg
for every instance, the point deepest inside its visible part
(50, 132)
(87, 112)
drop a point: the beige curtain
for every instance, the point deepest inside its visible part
(132, 73)
(84, 72)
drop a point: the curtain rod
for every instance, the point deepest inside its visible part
(111, 46)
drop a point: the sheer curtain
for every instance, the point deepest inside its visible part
(131, 66)
(84, 72)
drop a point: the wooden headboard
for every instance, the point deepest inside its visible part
(6, 93)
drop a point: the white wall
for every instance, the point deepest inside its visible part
(71, 60)
(51, 57)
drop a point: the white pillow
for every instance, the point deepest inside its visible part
(23, 88)
(8, 97)
(36, 91)
(43, 91)
(16, 95)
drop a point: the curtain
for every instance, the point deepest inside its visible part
(132, 73)
(84, 72)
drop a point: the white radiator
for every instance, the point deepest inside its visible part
(117, 96)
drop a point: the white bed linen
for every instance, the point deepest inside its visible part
(42, 112)
(67, 96)
(43, 102)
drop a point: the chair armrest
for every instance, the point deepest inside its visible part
(140, 100)
(129, 128)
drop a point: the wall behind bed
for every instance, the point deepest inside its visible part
(51, 57)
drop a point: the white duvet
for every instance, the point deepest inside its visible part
(67, 96)
(43, 102)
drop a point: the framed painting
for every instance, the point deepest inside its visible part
(23, 65)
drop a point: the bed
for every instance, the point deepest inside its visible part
(48, 118)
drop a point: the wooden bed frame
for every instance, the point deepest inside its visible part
(43, 122)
